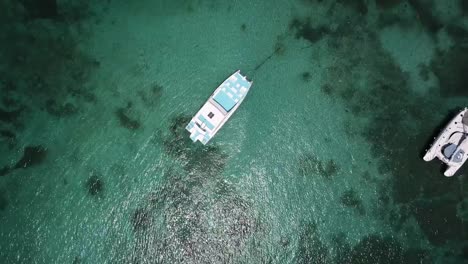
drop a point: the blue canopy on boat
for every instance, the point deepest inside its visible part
(230, 92)
(224, 100)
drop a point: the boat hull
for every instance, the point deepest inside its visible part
(451, 145)
(219, 107)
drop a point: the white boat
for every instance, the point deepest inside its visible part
(219, 108)
(451, 146)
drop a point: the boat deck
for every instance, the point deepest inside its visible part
(218, 108)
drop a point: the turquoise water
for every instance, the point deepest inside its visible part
(320, 164)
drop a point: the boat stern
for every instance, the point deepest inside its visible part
(428, 156)
(197, 133)
(450, 171)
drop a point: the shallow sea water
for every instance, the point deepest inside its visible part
(322, 163)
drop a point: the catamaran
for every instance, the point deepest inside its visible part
(219, 108)
(451, 146)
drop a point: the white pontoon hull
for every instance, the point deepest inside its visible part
(451, 146)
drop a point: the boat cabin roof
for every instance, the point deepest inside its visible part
(231, 91)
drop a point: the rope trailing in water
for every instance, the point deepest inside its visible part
(277, 49)
(265, 60)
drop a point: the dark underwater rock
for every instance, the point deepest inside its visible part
(7, 134)
(310, 247)
(3, 201)
(41, 8)
(284, 241)
(76, 260)
(186, 202)
(329, 169)
(359, 6)
(10, 117)
(350, 199)
(4, 171)
(327, 89)
(458, 33)
(425, 16)
(141, 219)
(95, 185)
(9, 137)
(304, 30)
(464, 254)
(83, 94)
(439, 222)
(417, 255)
(60, 110)
(150, 97)
(177, 143)
(384, 250)
(125, 120)
(309, 164)
(342, 248)
(10, 102)
(209, 161)
(177, 126)
(464, 6)
(306, 76)
(43, 57)
(375, 249)
(386, 4)
(32, 156)
(451, 69)
(243, 27)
